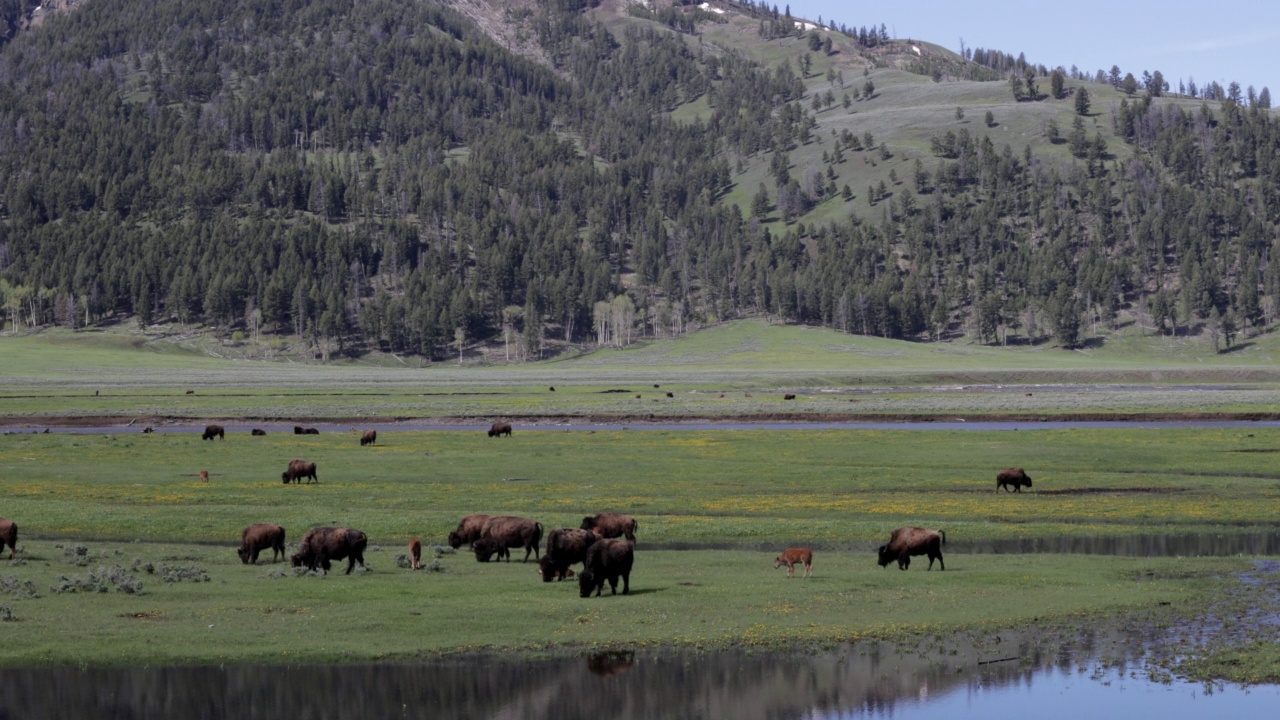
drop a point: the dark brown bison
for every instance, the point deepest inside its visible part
(789, 396)
(415, 553)
(369, 437)
(297, 470)
(498, 429)
(311, 431)
(320, 545)
(607, 560)
(148, 430)
(611, 525)
(258, 537)
(486, 547)
(514, 532)
(470, 529)
(565, 546)
(1012, 476)
(908, 541)
(791, 556)
(297, 430)
(9, 536)
(212, 431)
(257, 432)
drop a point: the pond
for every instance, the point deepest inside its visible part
(1005, 675)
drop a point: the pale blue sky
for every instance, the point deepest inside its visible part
(1224, 41)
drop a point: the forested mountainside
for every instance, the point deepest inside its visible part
(384, 175)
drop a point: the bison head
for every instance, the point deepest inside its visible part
(244, 555)
(455, 540)
(586, 583)
(588, 523)
(485, 548)
(1026, 481)
(284, 477)
(297, 560)
(777, 562)
(547, 569)
(885, 557)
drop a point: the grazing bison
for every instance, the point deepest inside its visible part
(607, 560)
(311, 431)
(1012, 476)
(611, 525)
(9, 536)
(565, 546)
(415, 553)
(204, 476)
(258, 537)
(297, 430)
(552, 388)
(212, 431)
(510, 531)
(257, 432)
(498, 429)
(470, 529)
(320, 545)
(789, 396)
(908, 541)
(671, 395)
(148, 430)
(297, 470)
(791, 556)
(486, 547)
(369, 437)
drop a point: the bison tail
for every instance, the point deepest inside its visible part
(943, 533)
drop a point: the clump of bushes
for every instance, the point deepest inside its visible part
(100, 580)
(6, 614)
(178, 573)
(13, 586)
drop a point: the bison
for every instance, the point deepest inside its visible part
(311, 431)
(320, 545)
(297, 470)
(498, 429)
(486, 547)
(257, 432)
(611, 525)
(607, 560)
(258, 537)
(470, 529)
(565, 546)
(9, 536)
(415, 553)
(369, 437)
(671, 395)
(204, 476)
(212, 431)
(1012, 476)
(297, 430)
(791, 556)
(148, 430)
(908, 541)
(789, 396)
(510, 531)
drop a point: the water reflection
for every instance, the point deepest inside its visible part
(868, 679)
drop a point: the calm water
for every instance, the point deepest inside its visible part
(975, 681)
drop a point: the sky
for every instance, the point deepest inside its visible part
(1224, 41)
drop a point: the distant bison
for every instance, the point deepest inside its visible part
(310, 431)
(908, 541)
(1012, 476)
(415, 553)
(204, 476)
(789, 396)
(500, 429)
(611, 525)
(9, 536)
(297, 430)
(470, 529)
(565, 546)
(670, 395)
(258, 537)
(510, 531)
(320, 545)
(370, 437)
(257, 432)
(212, 431)
(148, 430)
(297, 470)
(791, 556)
(607, 560)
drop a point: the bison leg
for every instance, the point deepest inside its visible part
(904, 561)
(808, 569)
(937, 555)
(355, 558)
(626, 583)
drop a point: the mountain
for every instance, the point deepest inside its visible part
(418, 176)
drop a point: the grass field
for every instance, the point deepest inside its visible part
(739, 495)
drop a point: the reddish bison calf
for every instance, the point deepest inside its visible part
(320, 545)
(9, 536)
(415, 553)
(470, 529)
(607, 560)
(369, 438)
(212, 431)
(204, 476)
(565, 546)
(1012, 476)
(611, 525)
(258, 537)
(499, 429)
(791, 556)
(908, 541)
(297, 470)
